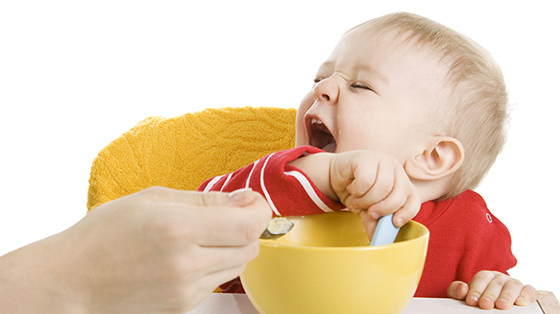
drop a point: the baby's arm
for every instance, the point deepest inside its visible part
(368, 183)
(287, 189)
(489, 289)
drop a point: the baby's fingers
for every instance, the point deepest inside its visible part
(527, 296)
(489, 289)
(514, 292)
(369, 223)
(386, 191)
(458, 290)
(403, 200)
(409, 209)
(477, 286)
(501, 295)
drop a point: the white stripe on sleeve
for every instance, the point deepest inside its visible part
(212, 183)
(227, 181)
(251, 173)
(309, 190)
(263, 187)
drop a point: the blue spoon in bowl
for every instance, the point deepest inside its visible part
(385, 232)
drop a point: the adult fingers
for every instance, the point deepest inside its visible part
(212, 281)
(220, 258)
(220, 226)
(222, 276)
(244, 217)
(158, 194)
(195, 290)
(176, 225)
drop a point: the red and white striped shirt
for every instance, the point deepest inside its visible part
(273, 173)
(465, 237)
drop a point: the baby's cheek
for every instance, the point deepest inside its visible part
(301, 138)
(306, 103)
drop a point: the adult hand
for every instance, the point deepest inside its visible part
(155, 251)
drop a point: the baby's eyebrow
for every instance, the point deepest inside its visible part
(330, 66)
(371, 71)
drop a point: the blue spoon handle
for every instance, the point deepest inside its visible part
(385, 232)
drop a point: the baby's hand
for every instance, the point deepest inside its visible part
(372, 185)
(489, 289)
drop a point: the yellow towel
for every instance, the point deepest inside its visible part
(181, 152)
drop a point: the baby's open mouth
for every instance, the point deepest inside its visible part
(320, 136)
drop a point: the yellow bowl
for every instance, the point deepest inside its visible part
(325, 265)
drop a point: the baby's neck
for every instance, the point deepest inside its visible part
(431, 190)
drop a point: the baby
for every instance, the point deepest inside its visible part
(406, 116)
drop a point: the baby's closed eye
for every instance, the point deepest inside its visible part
(362, 85)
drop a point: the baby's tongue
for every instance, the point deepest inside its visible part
(330, 148)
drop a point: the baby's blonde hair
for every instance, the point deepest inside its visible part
(476, 111)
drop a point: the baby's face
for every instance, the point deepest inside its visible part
(372, 93)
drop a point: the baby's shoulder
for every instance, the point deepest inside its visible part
(466, 209)
(468, 203)
(469, 211)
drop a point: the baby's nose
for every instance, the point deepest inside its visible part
(327, 89)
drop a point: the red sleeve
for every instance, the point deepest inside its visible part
(465, 238)
(288, 190)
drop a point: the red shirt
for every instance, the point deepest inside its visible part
(464, 236)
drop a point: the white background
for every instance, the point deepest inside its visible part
(74, 75)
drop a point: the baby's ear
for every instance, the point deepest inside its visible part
(442, 157)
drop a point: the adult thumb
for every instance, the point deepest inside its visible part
(242, 197)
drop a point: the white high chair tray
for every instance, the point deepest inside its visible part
(220, 303)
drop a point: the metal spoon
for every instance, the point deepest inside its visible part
(277, 227)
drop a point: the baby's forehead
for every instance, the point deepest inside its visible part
(377, 45)
(383, 47)
(389, 37)
(401, 32)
